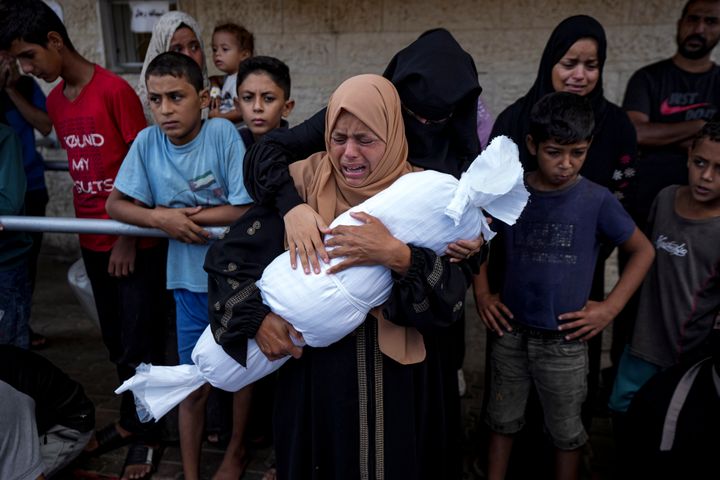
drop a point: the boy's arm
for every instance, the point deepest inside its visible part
(9, 78)
(492, 311)
(32, 114)
(175, 222)
(122, 257)
(595, 316)
(220, 216)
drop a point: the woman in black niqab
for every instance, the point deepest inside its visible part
(438, 86)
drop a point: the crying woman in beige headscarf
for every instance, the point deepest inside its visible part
(366, 151)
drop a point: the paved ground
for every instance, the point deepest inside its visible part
(74, 344)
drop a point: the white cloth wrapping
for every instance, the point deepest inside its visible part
(428, 209)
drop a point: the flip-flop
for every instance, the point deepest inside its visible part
(141, 454)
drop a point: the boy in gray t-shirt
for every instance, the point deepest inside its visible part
(680, 296)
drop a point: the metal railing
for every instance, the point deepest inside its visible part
(56, 166)
(88, 226)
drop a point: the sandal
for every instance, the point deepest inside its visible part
(145, 455)
(108, 438)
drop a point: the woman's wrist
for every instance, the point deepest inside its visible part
(400, 258)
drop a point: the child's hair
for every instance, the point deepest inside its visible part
(563, 117)
(245, 39)
(711, 131)
(30, 21)
(276, 70)
(176, 65)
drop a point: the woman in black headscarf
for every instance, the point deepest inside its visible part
(573, 61)
(437, 83)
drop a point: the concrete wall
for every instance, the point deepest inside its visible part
(326, 41)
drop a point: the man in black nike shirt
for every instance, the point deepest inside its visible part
(670, 101)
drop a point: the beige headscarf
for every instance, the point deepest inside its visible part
(319, 179)
(160, 43)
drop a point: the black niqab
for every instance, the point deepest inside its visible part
(436, 78)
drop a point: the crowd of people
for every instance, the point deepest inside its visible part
(184, 151)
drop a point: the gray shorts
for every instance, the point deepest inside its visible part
(19, 446)
(24, 455)
(556, 367)
(61, 445)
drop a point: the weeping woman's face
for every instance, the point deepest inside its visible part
(578, 71)
(355, 148)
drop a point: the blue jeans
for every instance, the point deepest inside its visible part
(633, 372)
(15, 297)
(556, 367)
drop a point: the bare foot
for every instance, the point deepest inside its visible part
(136, 471)
(233, 466)
(139, 462)
(270, 474)
(93, 442)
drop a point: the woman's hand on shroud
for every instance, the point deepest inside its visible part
(464, 249)
(303, 229)
(367, 244)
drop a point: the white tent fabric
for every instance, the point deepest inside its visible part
(428, 209)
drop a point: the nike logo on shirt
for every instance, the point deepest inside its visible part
(667, 109)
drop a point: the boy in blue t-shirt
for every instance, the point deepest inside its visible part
(180, 175)
(542, 318)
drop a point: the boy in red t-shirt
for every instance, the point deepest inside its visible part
(97, 115)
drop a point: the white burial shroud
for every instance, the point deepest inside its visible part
(428, 209)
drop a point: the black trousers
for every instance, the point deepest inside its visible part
(35, 203)
(133, 315)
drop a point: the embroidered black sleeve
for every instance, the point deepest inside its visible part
(432, 293)
(234, 263)
(265, 167)
(624, 184)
